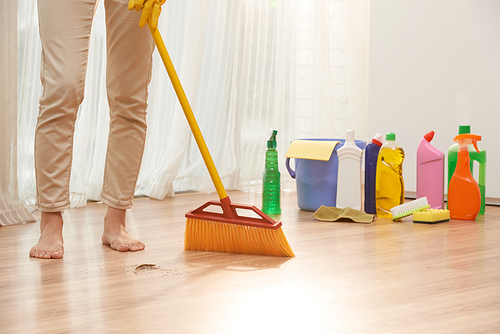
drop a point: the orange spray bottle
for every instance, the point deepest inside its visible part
(464, 196)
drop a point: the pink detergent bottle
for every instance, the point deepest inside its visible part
(430, 172)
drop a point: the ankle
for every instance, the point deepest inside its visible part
(51, 230)
(114, 217)
(51, 220)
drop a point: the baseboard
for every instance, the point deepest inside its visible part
(489, 200)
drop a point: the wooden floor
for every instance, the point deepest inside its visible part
(383, 277)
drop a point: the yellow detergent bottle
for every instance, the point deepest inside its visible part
(389, 188)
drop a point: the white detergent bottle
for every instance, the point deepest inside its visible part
(349, 174)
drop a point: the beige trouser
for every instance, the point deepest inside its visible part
(65, 31)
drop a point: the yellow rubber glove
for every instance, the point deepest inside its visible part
(151, 10)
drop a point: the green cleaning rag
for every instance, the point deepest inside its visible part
(332, 214)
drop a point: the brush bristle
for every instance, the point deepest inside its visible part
(205, 235)
(407, 209)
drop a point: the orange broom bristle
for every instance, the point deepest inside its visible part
(206, 235)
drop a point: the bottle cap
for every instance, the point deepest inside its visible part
(429, 135)
(463, 129)
(349, 136)
(390, 136)
(377, 139)
(271, 143)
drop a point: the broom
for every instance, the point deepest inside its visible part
(225, 230)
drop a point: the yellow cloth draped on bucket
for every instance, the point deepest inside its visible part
(311, 149)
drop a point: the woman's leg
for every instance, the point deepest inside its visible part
(129, 65)
(64, 32)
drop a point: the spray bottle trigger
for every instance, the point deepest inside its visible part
(475, 146)
(468, 138)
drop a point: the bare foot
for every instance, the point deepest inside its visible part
(115, 235)
(50, 244)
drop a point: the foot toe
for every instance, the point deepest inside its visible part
(56, 255)
(40, 254)
(137, 247)
(122, 248)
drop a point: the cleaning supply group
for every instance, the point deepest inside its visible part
(328, 173)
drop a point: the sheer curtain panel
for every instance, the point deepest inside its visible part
(247, 66)
(11, 210)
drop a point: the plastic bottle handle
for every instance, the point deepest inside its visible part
(290, 171)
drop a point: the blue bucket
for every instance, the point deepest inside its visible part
(317, 180)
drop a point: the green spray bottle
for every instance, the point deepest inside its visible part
(271, 188)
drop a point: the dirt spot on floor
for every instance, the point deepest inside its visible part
(152, 269)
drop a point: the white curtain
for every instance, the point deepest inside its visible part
(247, 66)
(11, 210)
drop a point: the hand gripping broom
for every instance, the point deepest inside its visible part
(227, 231)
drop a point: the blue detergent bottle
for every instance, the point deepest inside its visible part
(371, 156)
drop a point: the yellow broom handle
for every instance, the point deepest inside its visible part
(189, 113)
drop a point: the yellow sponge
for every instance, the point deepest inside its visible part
(431, 216)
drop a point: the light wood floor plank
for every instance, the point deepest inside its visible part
(383, 277)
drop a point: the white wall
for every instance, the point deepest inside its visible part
(435, 64)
